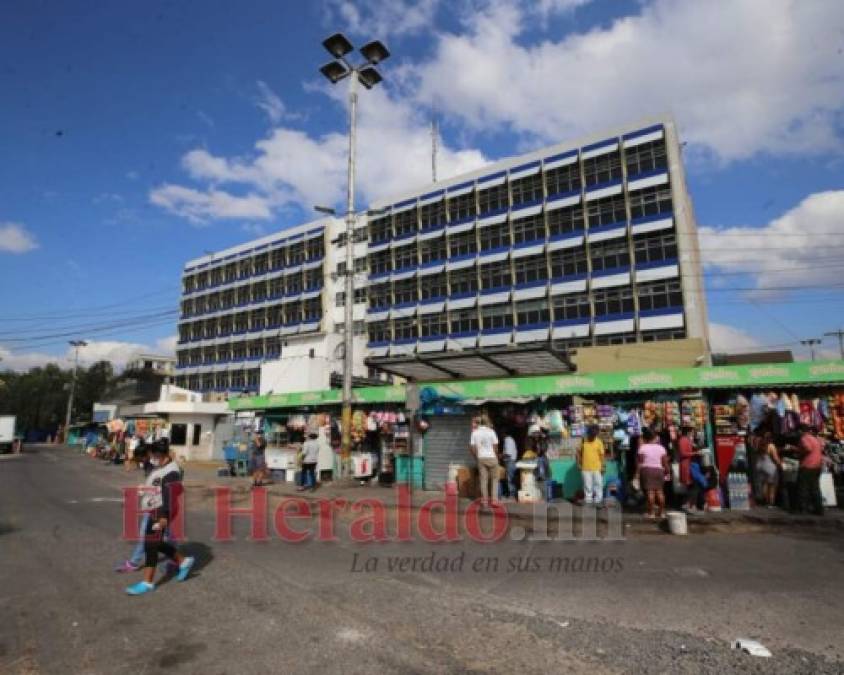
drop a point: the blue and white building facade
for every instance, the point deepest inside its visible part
(580, 244)
(240, 306)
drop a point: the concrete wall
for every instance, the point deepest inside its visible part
(686, 353)
(204, 450)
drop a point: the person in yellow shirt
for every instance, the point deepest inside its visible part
(590, 459)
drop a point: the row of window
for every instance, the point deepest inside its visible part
(307, 311)
(604, 256)
(234, 351)
(268, 261)
(233, 380)
(261, 291)
(542, 185)
(580, 306)
(539, 227)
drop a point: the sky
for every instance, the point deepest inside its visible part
(137, 136)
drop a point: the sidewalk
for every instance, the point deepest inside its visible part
(202, 476)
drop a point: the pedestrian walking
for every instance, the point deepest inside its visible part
(511, 456)
(310, 458)
(162, 489)
(591, 459)
(259, 459)
(484, 446)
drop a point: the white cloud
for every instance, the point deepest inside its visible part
(199, 206)
(381, 18)
(270, 103)
(115, 351)
(741, 77)
(802, 247)
(290, 166)
(14, 238)
(724, 338)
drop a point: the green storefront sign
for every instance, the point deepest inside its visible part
(718, 377)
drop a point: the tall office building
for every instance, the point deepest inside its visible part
(577, 245)
(510, 269)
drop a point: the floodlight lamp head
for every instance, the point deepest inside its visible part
(334, 71)
(374, 52)
(369, 77)
(337, 45)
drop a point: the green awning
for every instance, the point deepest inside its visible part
(804, 373)
(325, 397)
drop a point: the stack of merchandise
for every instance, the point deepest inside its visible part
(739, 491)
(836, 415)
(725, 423)
(693, 413)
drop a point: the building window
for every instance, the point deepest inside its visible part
(463, 243)
(565, 221)
(656, 335)
(315, 248)
(359, 328)
(405, 257)
(532, 312)
(238, 351)
(432, 214)
(380, 230)
(313, 310)
(253, 378)
(571, 307)
(360, 265)
(495, 236)
(532, 268)
(296, 254)
(178, 434)
(497, 316)
(274, 317)
(609, 256)
(496, 275)
(528, 229)
(293, 284)
(380, 262)
(433, 286)
(607, 211)
(527, 189)
(463, 281)
(379, 296)
(406, 222)
(256, 349)
(613, 301)
(404, 328)
(493, 199)
(655, 248)
(650, 201)
(567, 262)
(258, 320)
(276, 288)
(405, 291)
(432, 250)
(313, 279)
(602, 169)
(461, 206)
(360, 235)
(292, 313)
(645, 157)
(562, 179)
(379, 331)
(241, 322)
(464, 321)
(659, 295)
(619, 339)
(433, 324)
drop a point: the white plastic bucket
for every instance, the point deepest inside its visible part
(677, 522)
(453, 470)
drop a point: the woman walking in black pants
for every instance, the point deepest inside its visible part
(164, 485)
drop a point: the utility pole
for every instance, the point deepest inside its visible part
(810, 343)
(840, 335)
(434, 148)
(76, 344)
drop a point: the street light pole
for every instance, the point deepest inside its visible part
(366, 74)
(76, 344)
(348, 333)
(810, 343)
(840, 335)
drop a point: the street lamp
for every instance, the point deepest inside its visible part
(76, 344)
(341, 67)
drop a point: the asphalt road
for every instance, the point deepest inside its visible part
(663, 604)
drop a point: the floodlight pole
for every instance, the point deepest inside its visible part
(348, 333)
(76, 344)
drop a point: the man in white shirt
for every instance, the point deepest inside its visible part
(511, 456)
(484, 446)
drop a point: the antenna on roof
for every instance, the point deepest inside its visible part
(434, 135)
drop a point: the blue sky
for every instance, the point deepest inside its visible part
(139, 136)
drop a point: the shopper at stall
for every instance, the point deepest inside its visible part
(809, 474)
(768, 465)
(259, 460)
(163, 487)
(484, 446)
(510, 456)
(310, 458)
(696, 489)
(591, 460)
(652, 470)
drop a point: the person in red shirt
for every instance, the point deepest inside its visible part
(809, 474)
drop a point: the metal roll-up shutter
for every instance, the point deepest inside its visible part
(446, 442)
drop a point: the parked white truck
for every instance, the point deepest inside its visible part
(7, 433)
